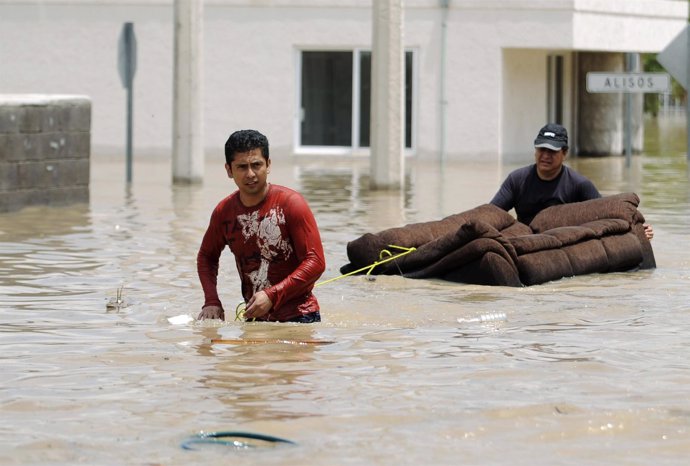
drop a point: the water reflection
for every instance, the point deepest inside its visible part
(403, 380)
(258, 365)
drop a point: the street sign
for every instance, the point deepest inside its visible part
(628, 82)
(127, 55)
(127, 66)
(675, 58)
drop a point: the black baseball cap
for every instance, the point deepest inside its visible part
(552, 136)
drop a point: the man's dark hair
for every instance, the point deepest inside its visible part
(243, 141)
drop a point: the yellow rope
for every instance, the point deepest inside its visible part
(239, 311)
(371, 267)
(241, 307)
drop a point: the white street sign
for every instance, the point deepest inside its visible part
(628, 82)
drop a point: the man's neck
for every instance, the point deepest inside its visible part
(254, 199)
(549, 176)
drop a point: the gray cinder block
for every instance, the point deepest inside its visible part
(10, 115)
(44, 150)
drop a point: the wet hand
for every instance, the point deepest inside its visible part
(648, 231)
(258, 306)
(211, 312)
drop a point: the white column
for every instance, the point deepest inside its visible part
(387, 96)
(188, 144)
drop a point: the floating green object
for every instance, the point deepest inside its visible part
(232, 439)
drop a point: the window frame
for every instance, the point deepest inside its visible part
(354, 148)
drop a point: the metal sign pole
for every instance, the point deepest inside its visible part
(129, 133)
(628, 115)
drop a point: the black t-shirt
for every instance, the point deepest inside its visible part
(529, 194)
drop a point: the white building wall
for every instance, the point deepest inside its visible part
(626, 25)
(52, 46)
(72, 49)
(524, 101)
(251, 63)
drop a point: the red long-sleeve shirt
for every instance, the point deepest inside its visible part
(277, 249)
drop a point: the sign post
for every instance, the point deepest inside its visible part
(127, 66)
(628, 83)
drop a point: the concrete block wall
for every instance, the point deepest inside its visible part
(45, 147)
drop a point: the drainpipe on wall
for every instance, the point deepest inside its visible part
(443, 102)
(630, 65)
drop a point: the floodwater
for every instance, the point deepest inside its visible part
(586, 370)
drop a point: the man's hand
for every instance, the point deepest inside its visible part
(648, 231)
(211, 312)
(258, 306)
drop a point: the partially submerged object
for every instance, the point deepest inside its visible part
(118, 302)
(487, 246)
(234, 439)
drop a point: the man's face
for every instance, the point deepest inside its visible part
(549, 162)
(249, 170)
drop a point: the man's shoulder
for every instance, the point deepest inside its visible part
(227, 200)
(579, 184)
(291, 202)
(281, 194)
(522, 172)
(227, 204)
(575, 175)
(277, 188)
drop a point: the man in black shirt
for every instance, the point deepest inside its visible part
(547, 182)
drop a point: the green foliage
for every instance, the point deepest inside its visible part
(651, 101)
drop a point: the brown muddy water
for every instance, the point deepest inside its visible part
(586, 370)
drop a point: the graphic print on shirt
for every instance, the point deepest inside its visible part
(268, 236)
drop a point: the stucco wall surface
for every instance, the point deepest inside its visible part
(251, 50)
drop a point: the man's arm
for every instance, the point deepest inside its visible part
(305, 237)
(588, 190)
(506, 195)
(207, 261)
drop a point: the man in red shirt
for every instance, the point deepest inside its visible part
(273, 235)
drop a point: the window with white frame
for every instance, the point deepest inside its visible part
(335, 99)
